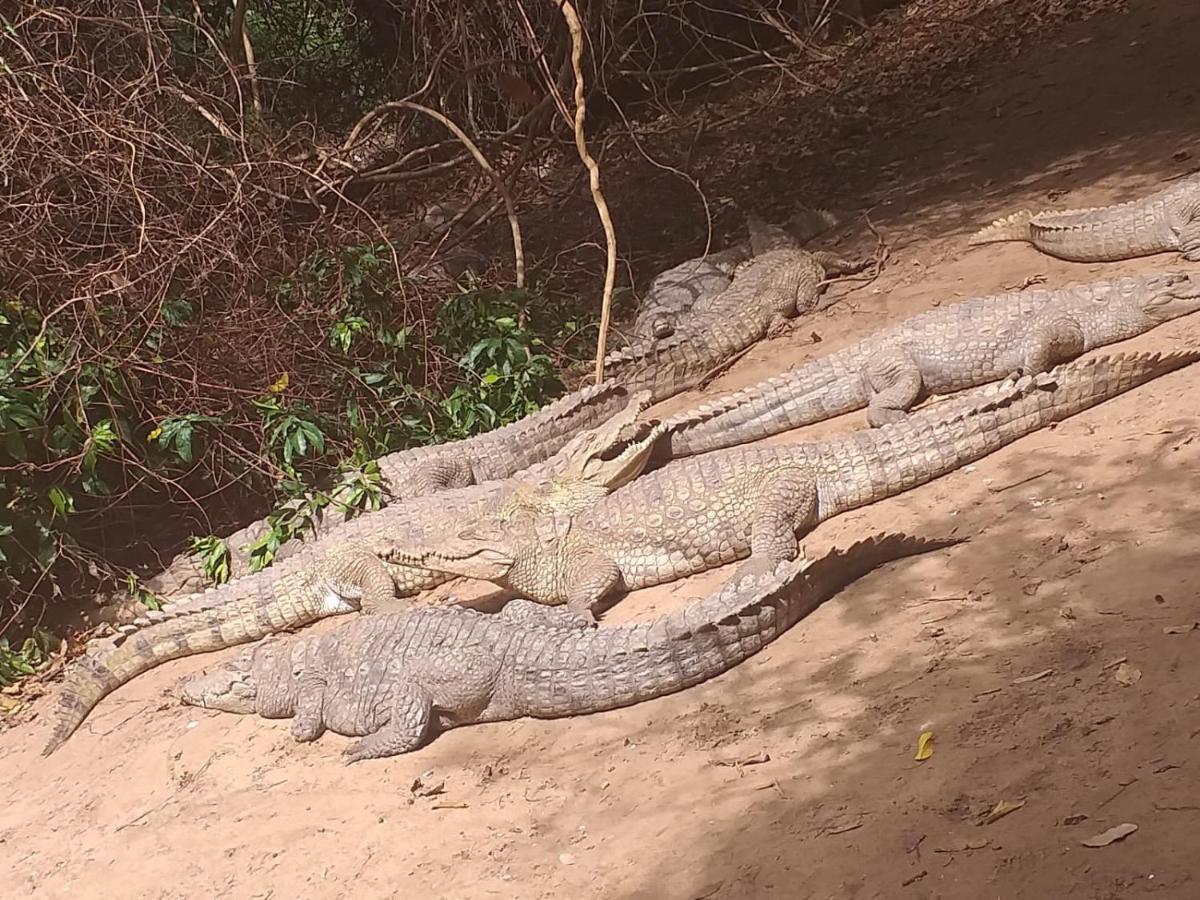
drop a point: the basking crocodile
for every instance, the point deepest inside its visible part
(776, 285)
(1168, 219)
(419, 471)
(675, 292)
(336, 575)
(702, 512)
(946, 349)
(393, 681)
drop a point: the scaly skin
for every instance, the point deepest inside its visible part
(341, 574)
(393, 681)
(427, 470)
(941, 351)
(692, 284)
(1168, 219)
(775, 286)
(673, 293)
(702, 512)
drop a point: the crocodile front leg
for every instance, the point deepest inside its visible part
(1188, 235)
(308, 722)
(458, 683)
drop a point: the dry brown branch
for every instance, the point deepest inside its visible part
(243, 51)
(497, 181)
(610, 235)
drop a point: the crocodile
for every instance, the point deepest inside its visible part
(705, 511)
(394, 681)
(419, 471)
(1168, 219)
(337, 574)
(778, 284)
(946, 349)
(676, 291)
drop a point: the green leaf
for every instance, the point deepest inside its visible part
(64, 503)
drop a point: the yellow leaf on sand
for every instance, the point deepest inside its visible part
(280, 385)
(1002, 809)
(924, 746)
(1127, 674)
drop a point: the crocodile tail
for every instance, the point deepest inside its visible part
(1017, 227)
(795, 588)
(765, 237)
(620, 666)
(254, 613)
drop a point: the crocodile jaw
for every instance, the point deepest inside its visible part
(229, 688)
(470, 559)
(1178, 296)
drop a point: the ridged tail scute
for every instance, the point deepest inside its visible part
(101, 671)
(798, 587)
(622, 666)
(1016, 227)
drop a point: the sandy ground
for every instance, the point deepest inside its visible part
(1083, 541)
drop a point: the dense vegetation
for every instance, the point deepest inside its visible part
(220, 288)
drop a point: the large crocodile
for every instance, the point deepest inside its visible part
(393, 681)
(336, 575)
(946, 349)
(675, 292)
(420, 471)
(776, 285)
(1168, 219)
(704, 511)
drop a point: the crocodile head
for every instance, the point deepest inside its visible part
(483, 551)
(1169, 296)
(261, 679)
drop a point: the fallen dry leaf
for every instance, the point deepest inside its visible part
(756, 760)
(924, 746)
(1025, 679)
(1180, 629)
(1002, 809)
(420, 788)
(1127, 674)
(1114, 834)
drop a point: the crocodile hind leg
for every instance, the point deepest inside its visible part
(353, 571)
(783, 506)
(530, 614)
(893, 384)
(592, 578)
(1051, 342)
(438, 475)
